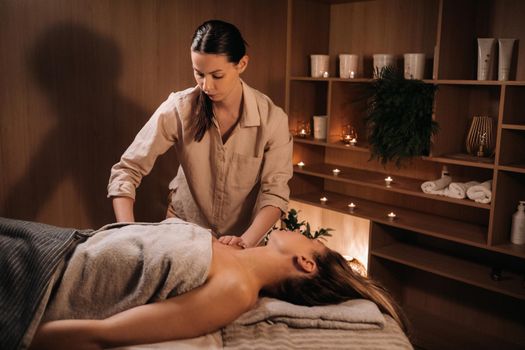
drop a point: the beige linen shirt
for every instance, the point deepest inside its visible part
(218, 186)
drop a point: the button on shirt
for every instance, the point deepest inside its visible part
(219, 186)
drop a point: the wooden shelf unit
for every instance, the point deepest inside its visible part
(467, 233)
(446, 31)
(440, 257)
(376, 180)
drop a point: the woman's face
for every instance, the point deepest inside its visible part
(215, 75)
(294, 242)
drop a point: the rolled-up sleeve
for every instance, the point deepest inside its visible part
(154, 139)
(277, 167)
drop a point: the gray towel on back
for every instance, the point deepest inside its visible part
(125, 266)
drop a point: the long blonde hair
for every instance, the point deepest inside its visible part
(334, 283)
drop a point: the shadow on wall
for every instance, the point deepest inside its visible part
(77, 70)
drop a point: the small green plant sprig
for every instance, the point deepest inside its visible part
(292, 223)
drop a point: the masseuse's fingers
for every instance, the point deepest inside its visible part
(225, 239)
(234, 241)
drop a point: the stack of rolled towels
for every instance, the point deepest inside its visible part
(481, 192)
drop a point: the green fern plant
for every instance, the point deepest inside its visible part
(292, 223)
(399, 119)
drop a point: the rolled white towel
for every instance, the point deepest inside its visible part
(481, 193)
(459, 189)
(436, 186)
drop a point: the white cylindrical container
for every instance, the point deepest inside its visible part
(485, 58)
(505, 55)
(382, 60)
(414, 65)
(319, 65)
(320, 127)
(517, 235)
(348, 66)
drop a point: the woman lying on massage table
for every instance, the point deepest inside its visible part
(219, 283)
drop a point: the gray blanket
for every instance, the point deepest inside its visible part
(120, 266)
(30, 253)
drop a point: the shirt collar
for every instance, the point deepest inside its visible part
(250, 112)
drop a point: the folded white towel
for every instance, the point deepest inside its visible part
(442, 192)
(436, 186)
(459, 189)
(481, 193)
(351, 314)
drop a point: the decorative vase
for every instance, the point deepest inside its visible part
(480, 138)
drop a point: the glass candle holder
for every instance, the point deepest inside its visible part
(348, 135)
(303, 128)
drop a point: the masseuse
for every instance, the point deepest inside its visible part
(232, 143)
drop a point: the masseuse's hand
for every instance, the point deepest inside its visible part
(233, 241)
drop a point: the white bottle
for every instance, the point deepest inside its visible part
(517, 235)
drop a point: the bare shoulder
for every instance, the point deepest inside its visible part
(229, 280)
(236, 286)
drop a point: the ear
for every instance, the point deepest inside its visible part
(305, 264)
(243, 63)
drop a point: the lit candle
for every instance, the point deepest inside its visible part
(302, 133)
(323, 200)
(336, 172)
(300, 164)
(388, 181)
(352, 75)
(325, 74)
(391, 216)
(348, 134)
(351, 207)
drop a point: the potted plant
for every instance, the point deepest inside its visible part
(399, 119)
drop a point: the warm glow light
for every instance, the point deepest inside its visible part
(323, 200)
(348, 135)
(356, 265)
(300, 164)
(351, 233)
(351, 207)
(336, 172)
(388, 181)
(391, 216)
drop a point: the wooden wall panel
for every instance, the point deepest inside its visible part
(80, 78)
(384, 26)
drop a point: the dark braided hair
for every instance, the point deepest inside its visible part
(221, 38)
